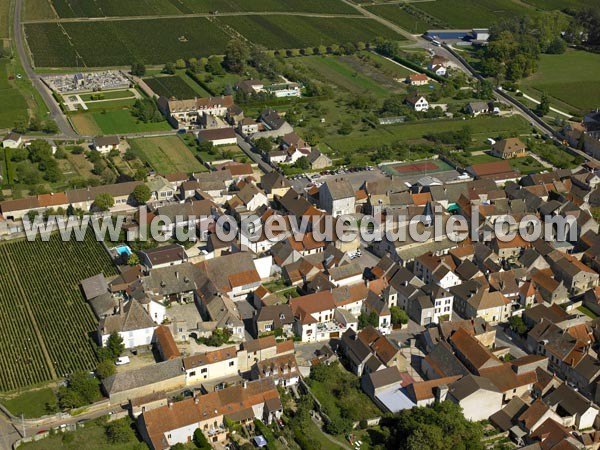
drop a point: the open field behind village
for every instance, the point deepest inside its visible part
(166, 154)
(45, 324)
(575, 91)
(91, 8)
(157, 41)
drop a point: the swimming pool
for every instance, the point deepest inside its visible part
(123, 250)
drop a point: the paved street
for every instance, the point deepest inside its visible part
(504, 340)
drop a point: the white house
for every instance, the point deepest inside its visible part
(213, 365)
(104, 144)
(218, 136)
(132, 323)
(417, 102)
(477, 396)
(316, 317)
(12, 140)
(337, 197)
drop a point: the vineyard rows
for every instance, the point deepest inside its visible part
(39, 287)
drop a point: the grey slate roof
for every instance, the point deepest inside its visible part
(470, 384)
(131, 379)
(340, 188)
(133, 317)
(94, 286)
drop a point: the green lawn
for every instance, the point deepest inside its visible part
(340, 395)
(116, 122)
(31, 404)
(13, 106)
(92, 436)
(107, 95)
(344, 76)
(526, 165)
(166, 154)
(570, 80)
(482, 127)
(110, 104)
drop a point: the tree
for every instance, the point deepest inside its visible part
(236, 55)
(105, 369)
(138, 69)
(365, 320)
(544, 107)
(178, 446)
(180, 64)
(50, 127)
(119, 432)
(104, 201)
(205, 146)
(141, 194)
(114, 345)
(263, 145)
(146, 110)
(169, 68)
(399, 316)
(557, 47)
(200, 440)
(81, 389)
(133, 260)
(35, 123)
(302, 163)
(517, 325)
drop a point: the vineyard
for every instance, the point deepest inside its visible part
(45, 324)
(108, 8)
(157, 41)
(285, 32)
(171, 86)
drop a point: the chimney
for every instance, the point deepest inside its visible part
(196, 400)
(177, 274)
(170, 404)
(120, 305)
(440, 392)
(245, 384)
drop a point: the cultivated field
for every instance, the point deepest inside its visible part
(166, 154)
(114, 122)
(120, 43)
(401, 17)
(38, 10)
(102, 8)
(44, 320)
(562, 4)
(171, 86)
(157, 41)
(13, 106)
(576, 91)
(481, 127)
(471, 13)
(284, 32)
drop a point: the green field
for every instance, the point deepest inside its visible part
(92, 436)
(166, 154)
(31, 404)
(336, 71)
(107, 95)
(570, 80)
(401, 17)
(549, 5)
(471, 13)
(117, 122)
(38, 10)
(481, 127)
(120, 43)
(13, 106)
(157, 41)
(284, 32)
(107, 8)
(45, 322)
(171, 86)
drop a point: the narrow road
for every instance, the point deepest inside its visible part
(55, 111)
(248, 150)
(381, 20)
(537, 102)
